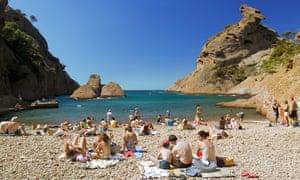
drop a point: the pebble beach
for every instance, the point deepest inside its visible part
(269, 152)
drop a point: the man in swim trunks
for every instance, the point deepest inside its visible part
(181, 153)
(293, 111)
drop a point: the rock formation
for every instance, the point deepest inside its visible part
(247, 45)
(94, 89)
(297, 37)
(90, 90)
(112, 90)
(27, 74)
(235, 43)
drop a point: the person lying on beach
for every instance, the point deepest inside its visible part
(215, 133)
(12, 127)
(165, 155)
(206, 148)
(77, 149)
(129, 140)
(41, 129)
(102, 147)
(181, 153)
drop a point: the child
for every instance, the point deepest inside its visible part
(165, 155)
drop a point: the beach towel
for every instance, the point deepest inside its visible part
(150, 169)
(100, 164)
(221, 172)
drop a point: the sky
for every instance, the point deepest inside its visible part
(141, 44)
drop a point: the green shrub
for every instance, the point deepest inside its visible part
(284, 50)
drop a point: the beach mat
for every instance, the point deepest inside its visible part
(221, 172)
(150, 170)
(99, 164)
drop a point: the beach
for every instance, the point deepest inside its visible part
(269, 152)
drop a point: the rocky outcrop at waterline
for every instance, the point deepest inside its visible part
(94, 89)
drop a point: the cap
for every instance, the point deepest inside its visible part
(14, 118)
(165, 142)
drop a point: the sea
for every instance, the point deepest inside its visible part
(151, 103)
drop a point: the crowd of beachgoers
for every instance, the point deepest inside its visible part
(254, 149)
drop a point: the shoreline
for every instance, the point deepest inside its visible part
(257, 149)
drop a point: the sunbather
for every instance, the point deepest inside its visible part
(129, 140)
(165, 156)
(76, 147)
(12, 127)
(102, 148)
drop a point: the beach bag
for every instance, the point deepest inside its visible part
(224, 161)
(205, 166)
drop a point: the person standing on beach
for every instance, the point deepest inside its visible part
(286, 108)
(137, 113)
(109, 116)
(198, 115)
(293, 111)
(275, 108)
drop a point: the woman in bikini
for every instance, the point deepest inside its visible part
(102, 147)
(129, 140)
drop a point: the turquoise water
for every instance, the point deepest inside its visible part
(150, 103)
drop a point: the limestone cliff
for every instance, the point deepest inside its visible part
(247, 58)
(226, 51)
(28, 70)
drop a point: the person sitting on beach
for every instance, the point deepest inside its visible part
(146, 128)
(222, 123)
(90, 130)
(181, 153)
(135, 123)
(64, 127)
(235, 123)
(129, 140)
(12, 127)
(228, 121)
(76, 150)
(165, 155)
(206, 149)
(159, 119)
(186, 124)
(104, 125)
(102, 148)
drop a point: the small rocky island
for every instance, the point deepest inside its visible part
(94, 89)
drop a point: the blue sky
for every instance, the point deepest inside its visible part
(141, 44)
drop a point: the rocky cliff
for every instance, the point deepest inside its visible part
(28, 70)
(246, 58)
(226, 51)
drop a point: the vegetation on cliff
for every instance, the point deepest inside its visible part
(25, 49)
(283, 51)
